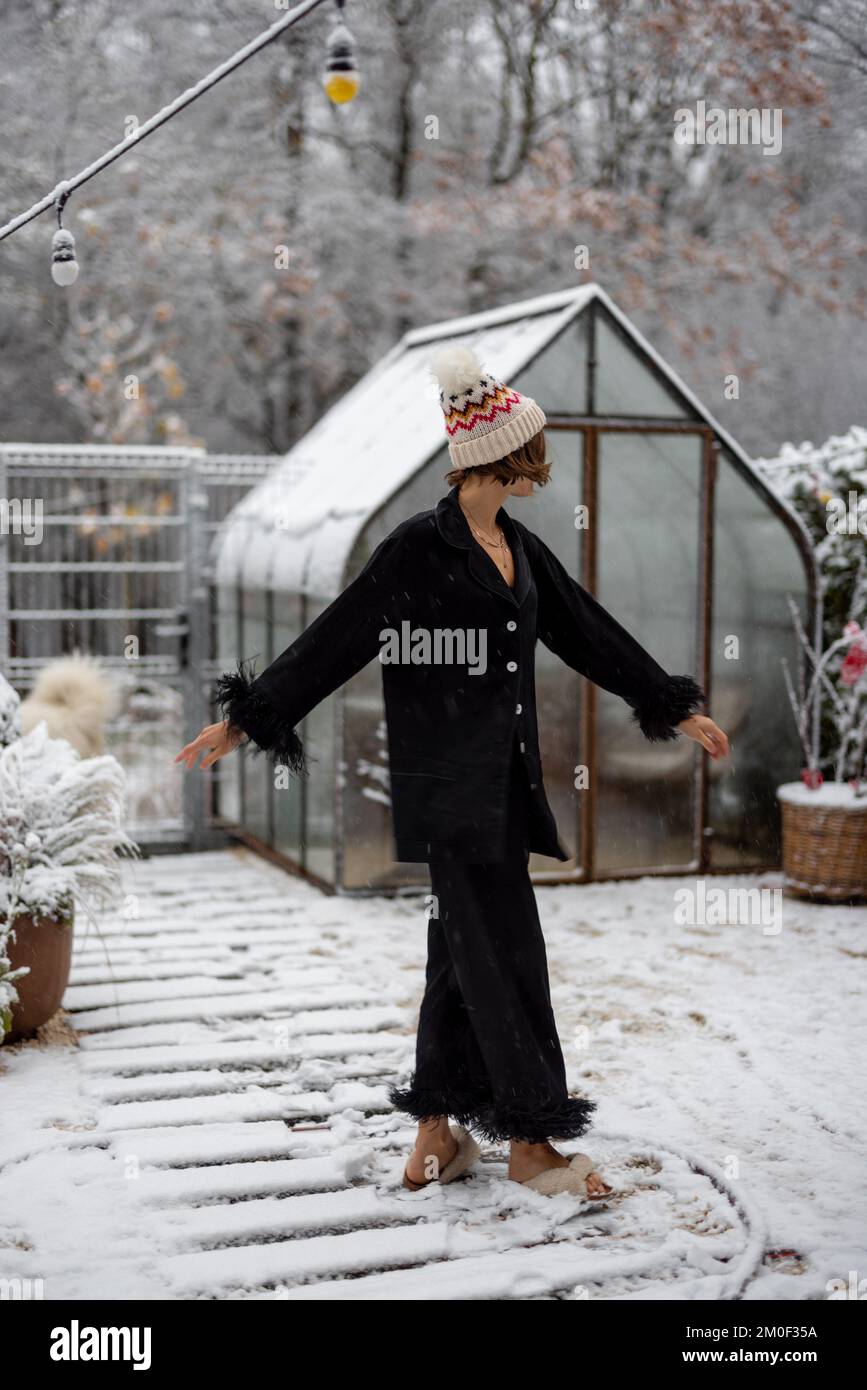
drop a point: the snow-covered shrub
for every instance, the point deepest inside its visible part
(10, 713)
(827, 487)
(8, 992)
(10, 729)
(61, 834)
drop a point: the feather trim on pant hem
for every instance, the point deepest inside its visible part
(525, 1120)
(250, 713)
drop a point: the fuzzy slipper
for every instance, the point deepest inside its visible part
(573, 1179)
(468, 1152)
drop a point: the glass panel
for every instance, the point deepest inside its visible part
(257, 769)
(318, 733)
(550, 512)
(624, 385)
(647, 578)
(368, 845)
(288, 799)
(558, 377)
(756, 565)
(227, 773)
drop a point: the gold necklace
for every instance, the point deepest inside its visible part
(494, 544)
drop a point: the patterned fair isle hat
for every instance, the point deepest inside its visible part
(485, 419)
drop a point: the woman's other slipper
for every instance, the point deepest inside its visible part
(573, 1179)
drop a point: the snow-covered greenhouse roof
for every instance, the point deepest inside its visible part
(296, 530)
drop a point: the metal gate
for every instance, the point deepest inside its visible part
(108, 551)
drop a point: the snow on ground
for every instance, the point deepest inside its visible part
(222, 1129)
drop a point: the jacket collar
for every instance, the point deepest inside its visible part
(452, 526)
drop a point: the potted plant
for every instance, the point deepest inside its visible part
(825, 819)
(60, 840)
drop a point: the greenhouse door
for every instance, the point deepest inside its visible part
(647, 560)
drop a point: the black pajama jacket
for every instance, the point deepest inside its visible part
(467, 789)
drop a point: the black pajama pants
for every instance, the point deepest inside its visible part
(487, 1049)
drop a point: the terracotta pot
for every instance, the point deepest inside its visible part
(45, 944)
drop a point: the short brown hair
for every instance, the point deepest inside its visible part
(527, 461)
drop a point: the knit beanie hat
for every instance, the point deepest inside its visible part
(485, 419)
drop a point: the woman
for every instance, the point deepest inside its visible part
(453, 602)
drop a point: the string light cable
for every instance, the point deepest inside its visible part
(340, 80)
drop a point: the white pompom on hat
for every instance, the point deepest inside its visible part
(484, 418)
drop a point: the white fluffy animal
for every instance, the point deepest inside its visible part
(76, 699)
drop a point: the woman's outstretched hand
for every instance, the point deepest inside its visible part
(215, 742)
(701, 729)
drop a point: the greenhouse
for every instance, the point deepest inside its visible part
(651, 505)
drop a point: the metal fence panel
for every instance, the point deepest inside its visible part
(121, 571)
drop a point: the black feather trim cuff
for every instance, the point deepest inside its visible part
(528, 1120)
(251, 713)
(659, 713)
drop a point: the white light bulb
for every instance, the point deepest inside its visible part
(64, 272)
(64, 267)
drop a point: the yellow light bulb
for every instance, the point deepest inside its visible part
(341, 86)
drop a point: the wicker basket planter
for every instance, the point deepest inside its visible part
(45, 945)
(824, 842)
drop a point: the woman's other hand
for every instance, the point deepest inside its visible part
(701, 729)
(215, 742)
